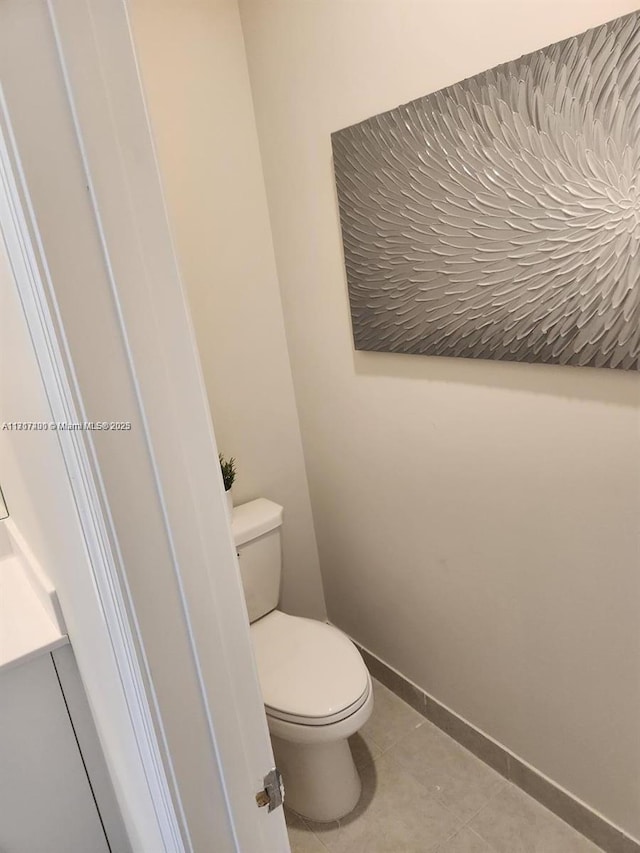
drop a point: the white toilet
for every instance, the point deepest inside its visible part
(316, 688)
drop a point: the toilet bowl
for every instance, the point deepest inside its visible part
(316, 688)
(317, 693)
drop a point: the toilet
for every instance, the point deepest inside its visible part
(316, 688)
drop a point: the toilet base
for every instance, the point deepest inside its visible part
(320, 779)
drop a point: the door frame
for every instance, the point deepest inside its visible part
(180, 485)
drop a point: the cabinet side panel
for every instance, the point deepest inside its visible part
(91, 749)
(46, 805)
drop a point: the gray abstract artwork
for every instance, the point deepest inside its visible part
(500, 217)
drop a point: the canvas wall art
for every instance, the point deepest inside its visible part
(499, 218)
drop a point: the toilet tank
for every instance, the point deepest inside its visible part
(256, 532)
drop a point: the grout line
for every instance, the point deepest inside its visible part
(482, 838)
(317, 837)
(487, 802)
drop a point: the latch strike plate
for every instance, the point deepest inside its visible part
(272, 795)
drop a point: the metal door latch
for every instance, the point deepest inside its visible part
(272, 794)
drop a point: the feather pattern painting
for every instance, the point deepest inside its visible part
(499, 218)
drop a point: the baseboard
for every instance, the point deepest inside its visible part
(574, 812)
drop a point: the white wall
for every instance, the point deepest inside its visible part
(477, 522)
(196, 83)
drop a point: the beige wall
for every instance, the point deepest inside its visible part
(195, 77)
(477, 522)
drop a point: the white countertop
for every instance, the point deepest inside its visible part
(26, 629)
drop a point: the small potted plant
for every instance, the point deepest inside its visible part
(228, 468)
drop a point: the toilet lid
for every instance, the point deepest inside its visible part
(310, 672)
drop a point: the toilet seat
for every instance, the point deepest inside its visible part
(311, 674)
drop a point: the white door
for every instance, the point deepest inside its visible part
(88, 239)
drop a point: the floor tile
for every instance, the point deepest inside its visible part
(424, 793)
(301, 838)
(391, 719)
(465, 841)
(512, 822)
(450, 773)
(397, 815)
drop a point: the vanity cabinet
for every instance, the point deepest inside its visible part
(55, 793)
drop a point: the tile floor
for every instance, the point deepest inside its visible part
(424, 793)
